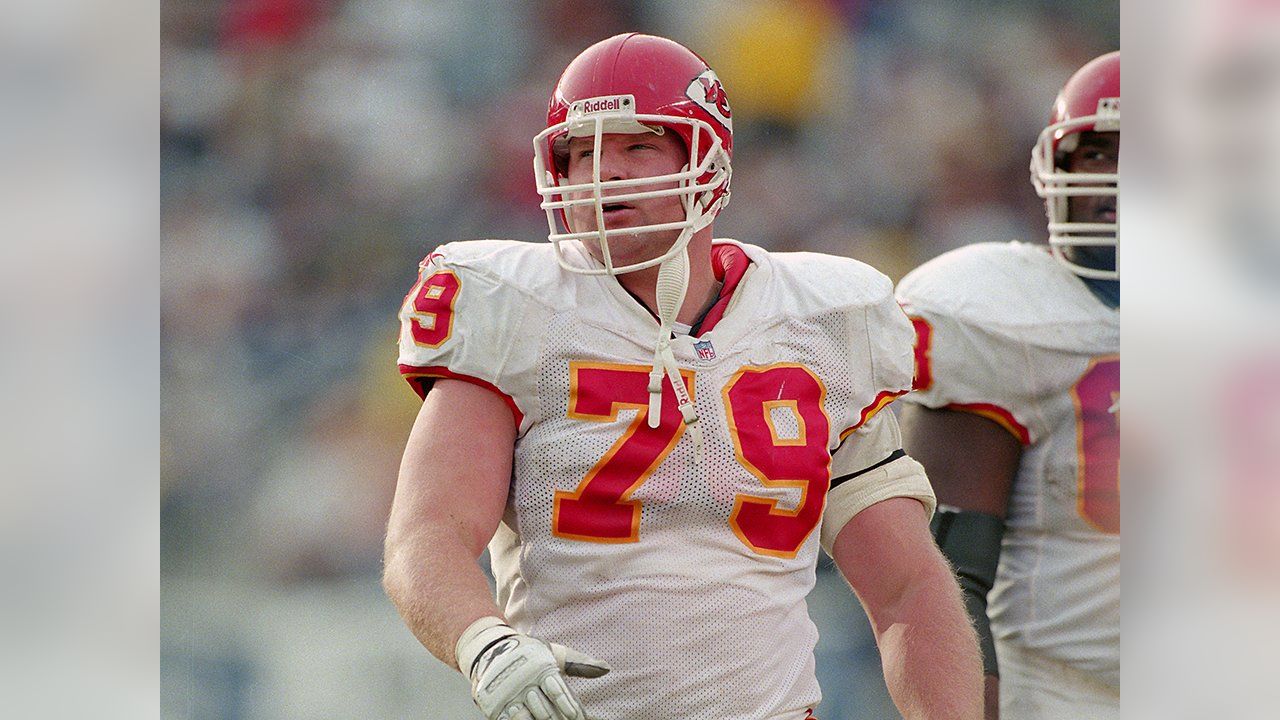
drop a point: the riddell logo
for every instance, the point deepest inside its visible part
(709, 94)
(610, 103)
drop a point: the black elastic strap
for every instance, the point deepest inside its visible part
(849, 476)
(971, 542)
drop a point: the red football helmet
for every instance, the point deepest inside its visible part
(1090, 101)
(635, 83)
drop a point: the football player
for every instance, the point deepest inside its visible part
(654, 432)
(1015, 418)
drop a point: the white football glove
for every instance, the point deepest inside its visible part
(518, 677)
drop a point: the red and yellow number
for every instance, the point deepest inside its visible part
(801, 462)
(1095, 395)
(924, 338)
(432, 312)
(599, 510)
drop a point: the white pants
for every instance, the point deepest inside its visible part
(1033, 687)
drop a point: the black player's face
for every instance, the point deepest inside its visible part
(622, 157)
(1097, 152)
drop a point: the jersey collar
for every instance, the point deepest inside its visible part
(729, 264)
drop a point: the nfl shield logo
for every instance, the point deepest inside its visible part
(704, 350)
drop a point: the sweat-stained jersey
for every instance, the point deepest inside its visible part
(1007, 332)
(689, 580)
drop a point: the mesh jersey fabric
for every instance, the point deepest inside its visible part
(689, 580)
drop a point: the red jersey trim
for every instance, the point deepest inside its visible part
(1002, 417)
(882, 399)
(729, 264)
(415, 373)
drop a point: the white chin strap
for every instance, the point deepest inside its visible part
(673, 284)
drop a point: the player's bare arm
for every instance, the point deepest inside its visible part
(930, 657)
(971, 462)
(449, 499)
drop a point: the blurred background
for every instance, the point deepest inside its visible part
(313, 151)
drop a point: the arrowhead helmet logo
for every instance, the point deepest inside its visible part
(709, 94)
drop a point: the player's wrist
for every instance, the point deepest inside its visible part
(478, 637)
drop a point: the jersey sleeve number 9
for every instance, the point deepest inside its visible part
(432, 308)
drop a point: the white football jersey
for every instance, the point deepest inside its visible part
(688, 579)
(1005, 331)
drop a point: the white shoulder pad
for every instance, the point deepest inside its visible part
(1015, 290)
(468, 314)
(994, 322)
(819, 282)
(525, 267)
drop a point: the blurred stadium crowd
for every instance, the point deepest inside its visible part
(314, 150)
